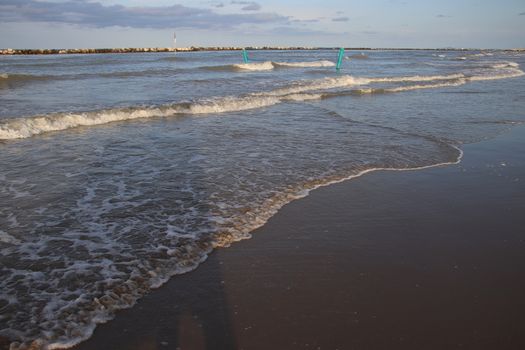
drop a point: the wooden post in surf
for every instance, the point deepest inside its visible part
(340, 58)
(245, 56)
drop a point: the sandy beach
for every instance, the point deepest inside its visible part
(428, 259)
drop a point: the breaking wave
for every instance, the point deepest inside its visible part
(269, 65)
(25, 127)
(418, 78)
(314, 64)
(257, 66)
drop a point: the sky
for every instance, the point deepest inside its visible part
(349, 23)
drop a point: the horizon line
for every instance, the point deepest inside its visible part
(34, 51)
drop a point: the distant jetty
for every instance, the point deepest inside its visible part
(193, 48)
(138, 50)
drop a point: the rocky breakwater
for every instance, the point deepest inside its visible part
(82, 51)
(136, 50)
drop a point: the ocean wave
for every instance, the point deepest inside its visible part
(118, 278)
(313, 64)
(29, 126)
(497, 76)
(269, 65)
(457, 82)
(254, 66)
(377, 91)
(417, 78)
(317, 84)
(496, 71)
(505, 65)
(25, 127)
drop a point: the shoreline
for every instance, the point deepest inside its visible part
(257, 225)
(226, 263)
(8, 51)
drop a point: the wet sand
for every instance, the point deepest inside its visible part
(428, 259)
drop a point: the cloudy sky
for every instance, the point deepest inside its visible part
(353, 23)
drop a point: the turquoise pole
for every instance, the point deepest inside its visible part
(340, 58)
(245, 56)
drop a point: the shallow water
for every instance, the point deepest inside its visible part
(119, 171)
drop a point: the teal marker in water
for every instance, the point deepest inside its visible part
(340, 58)
(245, 56)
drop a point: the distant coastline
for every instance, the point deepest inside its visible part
(193, 48)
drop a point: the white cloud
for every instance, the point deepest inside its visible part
(95, 14)
(248, 5)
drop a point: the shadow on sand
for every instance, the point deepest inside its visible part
(185, 313)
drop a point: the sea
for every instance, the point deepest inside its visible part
(120, 171)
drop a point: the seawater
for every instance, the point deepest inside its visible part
(119, 171)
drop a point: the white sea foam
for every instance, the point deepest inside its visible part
(497, 76)
(268, 209)
(27, 127)
(303, 97)
(499, 70)
(269, 65)
(4, 75)
(365, 91)
(319, 84)
(255, 66)
(504, 65)
(30, 126)
(227, 104)
(417, 78)
(313, 64)
(457, 82)
(7, 238)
